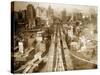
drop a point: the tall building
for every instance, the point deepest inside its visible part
(41, 12)
(38, 11)
(64, 16)
(31, 15)
(50, 15)
(50, 11)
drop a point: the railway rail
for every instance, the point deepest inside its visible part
(58, 57)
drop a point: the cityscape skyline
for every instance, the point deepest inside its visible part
(57, 7)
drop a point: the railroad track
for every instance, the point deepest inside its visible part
(58, 57)
(61, 57)
(59, 61)
(65, 52)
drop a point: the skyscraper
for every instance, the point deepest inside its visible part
(31, 15)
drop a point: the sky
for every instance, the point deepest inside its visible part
(57, 7)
